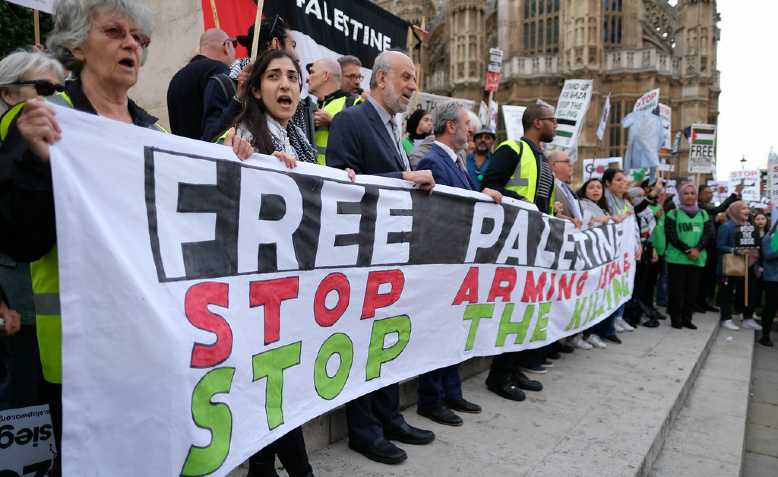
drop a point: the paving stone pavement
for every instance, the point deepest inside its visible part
(761, 456)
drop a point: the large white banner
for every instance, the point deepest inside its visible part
(209, 305)
(570, 112)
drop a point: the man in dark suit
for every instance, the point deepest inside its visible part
(365, 138)
(440, 391)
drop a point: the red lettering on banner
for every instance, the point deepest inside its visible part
(615, 271)
(468, 290)
(604, 277)
(626, 262)
(503, 283)
(552, 287)
(533, 291)
(566, 286)
(581, 283)
(270, 294)
(375, 300)
(333, 282)
(196, 302)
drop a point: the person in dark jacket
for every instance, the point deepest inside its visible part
(186, 92)
(732, 291)
(770, 284)
(440, 391)
(708, 279)
(688, 231)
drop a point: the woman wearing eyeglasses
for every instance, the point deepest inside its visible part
(24, 75)
(103, 43)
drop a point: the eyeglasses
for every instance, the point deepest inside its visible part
(117, 32)
(234, 42)
(553, 120)
(355, 77)
(42, 87)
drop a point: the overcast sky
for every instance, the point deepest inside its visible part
(748, 105)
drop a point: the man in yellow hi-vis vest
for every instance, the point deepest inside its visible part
(520, 170)
(324, 83)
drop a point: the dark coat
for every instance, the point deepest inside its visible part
(444, 170)
(186, 95)
(359, 140)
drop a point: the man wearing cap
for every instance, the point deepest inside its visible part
(324, 83)
(478, 162)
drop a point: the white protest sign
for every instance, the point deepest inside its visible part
(666, 114)
(488, 116)
(429, 102)
(648, 102)
(702, 149)
(570, 111)
(750, 181)
(512, 115)
(595, 168)
(204, 299)
(26, 441)
(664, 167)
(42, 5)
(606, 111)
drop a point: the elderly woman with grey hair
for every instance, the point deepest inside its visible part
(103, 43)
(25, 75)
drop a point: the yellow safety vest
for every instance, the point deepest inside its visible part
(524, 180)
(322, 136)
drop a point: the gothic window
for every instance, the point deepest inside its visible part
(613, 16)
(616, 134)
(541, 26)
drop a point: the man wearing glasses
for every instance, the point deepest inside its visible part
(186, 92)
(520, 170)
(351, 78)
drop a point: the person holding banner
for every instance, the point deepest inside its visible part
(440, 391)
(687, 232)
(104, 44)
(770, 284)
(365, 138)
(732, 289)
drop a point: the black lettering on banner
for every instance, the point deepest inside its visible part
(439, 228)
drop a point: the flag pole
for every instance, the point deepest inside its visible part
(36, 21)
(215, 14)
(257, 25)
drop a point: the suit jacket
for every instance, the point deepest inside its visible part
(359, 140)
(444, 170)
(569, 206)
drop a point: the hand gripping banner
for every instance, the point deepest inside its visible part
(209, 305)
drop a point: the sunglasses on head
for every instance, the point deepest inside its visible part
(42, 87)
(234, 42)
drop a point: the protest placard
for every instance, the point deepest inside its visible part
(666, 114)
(750, 180)
(702, 149)
(512, 115)
(570, 112)
(42, 5)
(26, 441)
(211, 305)
(594, 168)
(648, 102)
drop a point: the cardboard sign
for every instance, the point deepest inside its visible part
(512, 115)
(648, 102)
(702, 149)
(745, 237)
(26, 441)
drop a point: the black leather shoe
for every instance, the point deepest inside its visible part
(410, 435)
(698, 308)
(553, 355)
(689, 325)
(566, 348)
(677, 326)
(523, 382)
(384, 452)
(709, 307)
(652, 323)
(765, 341)
(659, 316)
(612, 339)
(507, 390)
(463, 405)
(441, 415)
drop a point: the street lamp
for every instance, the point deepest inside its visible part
(743, 163)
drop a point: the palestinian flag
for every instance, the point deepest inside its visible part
(703, 136)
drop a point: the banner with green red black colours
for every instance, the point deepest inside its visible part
(210, 305)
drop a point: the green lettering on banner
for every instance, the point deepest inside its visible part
(475, 313)
(609, 297)
(619, 289)
(508, 327)
(575, 320)
(215, 417)
(328, 386)
(378, 355)
(541, 325)
(271, 365)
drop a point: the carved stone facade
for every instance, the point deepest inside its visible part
(627, 47)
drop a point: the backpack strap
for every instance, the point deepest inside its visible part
(227, 86)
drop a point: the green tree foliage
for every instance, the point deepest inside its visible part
(16, 25)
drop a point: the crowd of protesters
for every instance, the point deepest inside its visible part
(688, 246)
